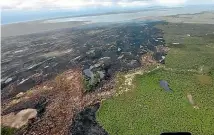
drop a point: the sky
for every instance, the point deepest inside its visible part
(80, 4)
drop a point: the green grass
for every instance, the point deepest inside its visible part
(7, 130)
(150, 110)
(193, 52)
(191, 56)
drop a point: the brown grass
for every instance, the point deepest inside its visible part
(63, 104)
(204, 79)
(61, 83)
(148, 60)
(65, 98)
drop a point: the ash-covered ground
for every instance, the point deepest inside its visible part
(29, 60)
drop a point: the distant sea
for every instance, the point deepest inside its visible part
(124, 17)
(13, 16)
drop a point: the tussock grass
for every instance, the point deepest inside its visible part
(148, 109)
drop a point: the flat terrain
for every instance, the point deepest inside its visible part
(189, 69)
(179, 15)
(29, 60)
(194, 49)
(25, 28)
(149, 109)
(201, 18)
(106, 59)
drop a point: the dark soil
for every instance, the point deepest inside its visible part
(29, 60)
(84, 123)
(122, 44)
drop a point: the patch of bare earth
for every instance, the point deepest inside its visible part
(64, 97)
(147, 61)
(191, 101)
(204, 79)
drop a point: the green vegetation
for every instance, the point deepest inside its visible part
(88, 86)
(195, 50)
(7, 131)
(149, 109)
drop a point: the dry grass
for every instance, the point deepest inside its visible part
(61, 83)
(65, 97)
(63, 104)
(204, 79)
(148, 60)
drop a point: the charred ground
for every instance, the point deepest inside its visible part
(32, 59)
(79, 58)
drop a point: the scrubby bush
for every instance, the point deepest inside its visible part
(87, 85)
(90, 87)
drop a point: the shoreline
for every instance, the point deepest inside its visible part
(94, 14)
(39, 26)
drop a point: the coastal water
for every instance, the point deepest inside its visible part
(120, 17)
(8, 17)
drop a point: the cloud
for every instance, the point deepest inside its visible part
(75, 4)
(39, 4)
(171, 2)
(133, 3)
